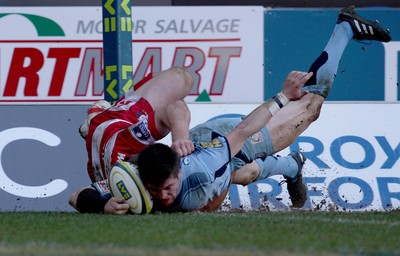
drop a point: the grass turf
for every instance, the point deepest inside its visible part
(221, 233)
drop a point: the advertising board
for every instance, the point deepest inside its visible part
(52, 55)
(51, 70)
(353, 153)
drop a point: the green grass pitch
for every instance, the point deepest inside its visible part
(220, 233)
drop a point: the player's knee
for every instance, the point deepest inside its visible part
(251, 176)
(72, 199)
(313, 104)
(184, 74)
(315, 107)
(245, 176)
(178, 104)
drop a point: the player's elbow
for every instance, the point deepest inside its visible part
(74, 196)
(72, 199)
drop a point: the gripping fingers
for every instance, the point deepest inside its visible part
(116, 205)
(298, 78)
(306, 77)
(183, 147)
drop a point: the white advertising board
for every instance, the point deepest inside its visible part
(353, 155)
(54, 54)
(352, 149)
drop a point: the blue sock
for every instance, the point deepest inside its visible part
(326, 65)
(271, 165)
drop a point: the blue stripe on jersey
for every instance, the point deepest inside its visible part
(221, 171)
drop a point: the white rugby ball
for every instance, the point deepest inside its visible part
(124, 181)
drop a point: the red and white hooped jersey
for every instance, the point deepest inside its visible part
(118, 133)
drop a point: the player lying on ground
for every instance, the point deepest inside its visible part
(118, 132)
(200, 181)
(148, 112)
(288, 166)
(360, 35)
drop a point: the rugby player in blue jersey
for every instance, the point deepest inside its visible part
(200, 181)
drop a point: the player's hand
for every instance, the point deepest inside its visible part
(182, 146)
(116, 205)
(293, 84)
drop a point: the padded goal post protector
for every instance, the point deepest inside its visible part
(117, 48)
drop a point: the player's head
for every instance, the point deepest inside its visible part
(159, 170)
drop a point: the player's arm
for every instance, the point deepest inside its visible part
(176, 118)
(89, 200)
(258, 118)
(247, 127)
(74, 196)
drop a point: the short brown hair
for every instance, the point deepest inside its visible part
(157, 163)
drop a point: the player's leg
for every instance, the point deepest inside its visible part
(268, 166)
(165, 93)
(349, 26)
(290, 167)
(165, 87)
(292, 120)
(288, 123)
(257, 147)
(246, 174)
(326, 65)
(95, 109)
(363, 28)
(254, 161)
(295, 186)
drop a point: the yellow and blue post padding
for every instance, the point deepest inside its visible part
(117, 48)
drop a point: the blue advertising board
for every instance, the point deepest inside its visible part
(42, 157)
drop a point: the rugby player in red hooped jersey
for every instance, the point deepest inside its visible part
(145, 114)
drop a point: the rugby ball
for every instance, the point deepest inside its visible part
(124, 181)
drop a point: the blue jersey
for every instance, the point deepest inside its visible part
(256, 146)
(204, 174)
(207, 171)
